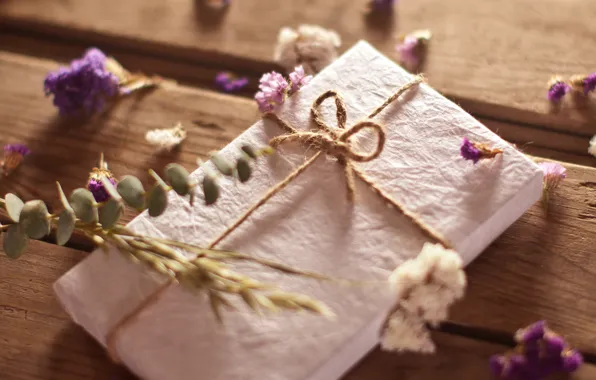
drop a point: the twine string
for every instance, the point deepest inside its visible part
(334, 142)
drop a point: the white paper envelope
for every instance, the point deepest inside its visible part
(311, 225)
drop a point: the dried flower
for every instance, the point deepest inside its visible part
(412, 48)
(13, 156)
(298, 79)
(476, 151)
(585, 83)
(275, 88)
(84, 85)
(592, 147)
(379, 5)
(312, 46)
(166, 138)
(554, 173)
(228, 82)
(557, 89)
(426, 287)
(539, 353)
(95, 184)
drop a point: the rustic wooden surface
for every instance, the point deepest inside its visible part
(495, 58)
(39, 342)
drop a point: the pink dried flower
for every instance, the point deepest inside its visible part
(275, 88)
(298, 79)
(554, 173)
(412, 48)
(13, 156)
(557, 89)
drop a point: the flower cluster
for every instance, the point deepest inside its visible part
(412, 48)
(426, 287)
(475, 152)
(554, 173)
(227, 82)
(312, 46)
(166, 138)
(84, 85)
(558, 88)
(13, 156)
(539, 353)
(274, 88)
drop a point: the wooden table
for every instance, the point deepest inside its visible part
(493, 57)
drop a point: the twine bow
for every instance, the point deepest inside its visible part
(326, 140)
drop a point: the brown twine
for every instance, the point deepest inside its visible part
(332, 141)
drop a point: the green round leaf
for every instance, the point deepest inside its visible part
(243, 169)
(178, 178)
(83, 205)
(110, 213)
(223, 165)
(34, 220)
(249, 150)
(66, 224)
(14, 205)
(210, 189)
(131, 190)
(158, 200)
(15, 241)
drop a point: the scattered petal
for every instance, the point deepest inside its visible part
(412, 48)
(557, 89)
(13, 156)
(228, 82)
(166, 138)
(474, 151)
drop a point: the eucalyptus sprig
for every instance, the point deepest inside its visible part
(200, 270)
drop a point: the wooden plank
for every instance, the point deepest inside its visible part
(37, 338)
(536, 257)
(39, 342)
(483, 56)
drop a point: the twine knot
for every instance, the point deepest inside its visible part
(333, 141)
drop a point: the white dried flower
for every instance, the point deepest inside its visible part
(426, 287)
(404, 331)
(166, 138)
(311, 46)
(592, 147)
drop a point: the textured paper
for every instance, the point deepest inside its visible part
(310, 225)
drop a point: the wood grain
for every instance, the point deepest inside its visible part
(39, 342)
(37, 339)
(495, 58)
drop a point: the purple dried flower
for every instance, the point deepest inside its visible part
(84, 85)
(469, 151)
(585, 83)
(557, 89)
(227, 82)
(96, 186)
(539, 354)
(274, 90)
(531, 334)
(378, 5)
(476, 151)
(298, 79)
(13, 156)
